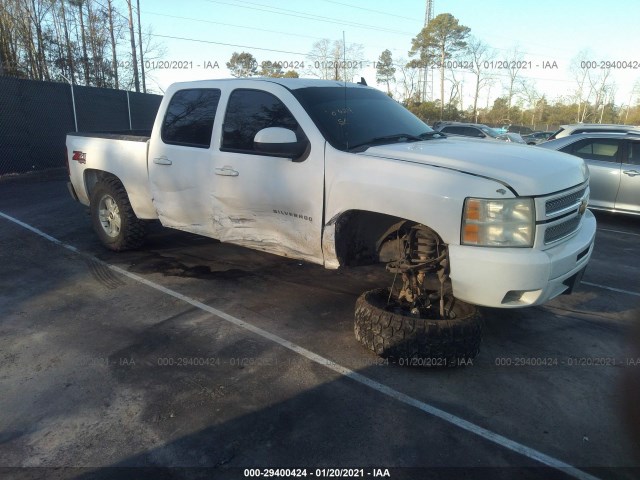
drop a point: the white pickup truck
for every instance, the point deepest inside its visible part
(341, 175)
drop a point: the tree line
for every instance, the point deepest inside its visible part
(449, 48)
(101, 43)
(85, 42)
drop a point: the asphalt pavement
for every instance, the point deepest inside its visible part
(196, 359)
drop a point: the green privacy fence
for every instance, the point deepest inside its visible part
(36, 116)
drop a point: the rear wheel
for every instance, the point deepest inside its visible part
(113, 218)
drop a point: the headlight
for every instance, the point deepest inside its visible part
(498, 222)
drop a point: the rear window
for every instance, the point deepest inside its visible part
(189, 118)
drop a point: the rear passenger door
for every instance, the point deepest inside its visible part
(266, 202)
(629, 192)
(603, 156)
(180, 169)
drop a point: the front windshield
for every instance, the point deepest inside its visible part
(490, 131)
(354, 116)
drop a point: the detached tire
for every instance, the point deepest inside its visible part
(112, 217)
(417, 341)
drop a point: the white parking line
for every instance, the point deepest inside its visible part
(618, 231)
(619, 290)
(346, 372)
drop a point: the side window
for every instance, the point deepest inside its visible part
(454, 130)
(605, 150)
(473, 132)
(634, 153)
(189, 117)
(248, 112)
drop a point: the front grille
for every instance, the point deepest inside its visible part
(561, 230)
(557, 204)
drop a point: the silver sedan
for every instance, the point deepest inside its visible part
(614, 164)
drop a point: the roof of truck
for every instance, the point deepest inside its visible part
(289, 83)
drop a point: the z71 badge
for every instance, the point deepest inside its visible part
(80, 157)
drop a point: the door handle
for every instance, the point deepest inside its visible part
(162, 160)
(631, 173)
(226, 171)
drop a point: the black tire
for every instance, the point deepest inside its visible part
(418, 341)
(118, 227)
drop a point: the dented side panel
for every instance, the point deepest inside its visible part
(271, 204)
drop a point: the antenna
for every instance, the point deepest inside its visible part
(344, 64)
(344, 58)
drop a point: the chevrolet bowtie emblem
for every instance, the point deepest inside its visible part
(583, 207)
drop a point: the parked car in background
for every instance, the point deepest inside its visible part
(521, 129)
(536, 137)
(475, 130)
(576, 128)
(511, 137)
(614, 162)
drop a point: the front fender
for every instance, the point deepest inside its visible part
(429, 195)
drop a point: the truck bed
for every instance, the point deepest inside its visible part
(128, 135)
(122, 154)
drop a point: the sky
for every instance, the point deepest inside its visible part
(203, 34)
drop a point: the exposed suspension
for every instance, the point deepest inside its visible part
(423, 254)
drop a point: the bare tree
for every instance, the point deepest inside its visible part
(515, 60)
(635, 91)
(9, 39)
(408, 80)
(335, 61)
(601, 88)
(455, 93)
(581, 75)
(133, 49)
(114, 55)
(478, 53)
(37, 11)
(531, 95)
(85, 57)
(80, 40)
(144, 85)
(63, 11)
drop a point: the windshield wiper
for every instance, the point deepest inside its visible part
(397, 137)
(426, 135)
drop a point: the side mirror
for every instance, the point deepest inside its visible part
(279, 142)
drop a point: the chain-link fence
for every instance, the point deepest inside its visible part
(36, 116)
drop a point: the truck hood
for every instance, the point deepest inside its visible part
(525, 169)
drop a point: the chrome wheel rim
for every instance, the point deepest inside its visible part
(109, 215)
